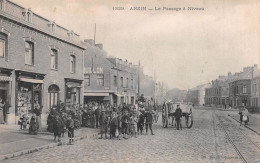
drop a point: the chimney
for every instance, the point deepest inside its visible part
(100, 46)
(90, 41)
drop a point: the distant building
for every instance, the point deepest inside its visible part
(218, 94)
(196, 95)
(177, 95)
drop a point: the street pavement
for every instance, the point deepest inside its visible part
(204, 142)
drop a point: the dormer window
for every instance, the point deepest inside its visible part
(70, 34)
(52, 26)
(27, 15)
(2, 5)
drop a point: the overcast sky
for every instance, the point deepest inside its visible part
(185, 48)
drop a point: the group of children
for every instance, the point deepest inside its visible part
(125, 123)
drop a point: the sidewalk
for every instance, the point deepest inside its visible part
(15, 142)
(254, 119)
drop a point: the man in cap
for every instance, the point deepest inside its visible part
(148, 121)
(103, 122)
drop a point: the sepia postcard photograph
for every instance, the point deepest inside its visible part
(104, 81)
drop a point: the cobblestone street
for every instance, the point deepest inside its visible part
(204, 142)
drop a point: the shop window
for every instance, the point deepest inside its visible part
(54, 59)
(87, 80)
(53, 91)
(100, 80)
(122, 82)
(72, 64)
(29, 53)
(115, 81)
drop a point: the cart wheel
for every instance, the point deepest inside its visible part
(189, 121)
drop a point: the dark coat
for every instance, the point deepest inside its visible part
(178, 113)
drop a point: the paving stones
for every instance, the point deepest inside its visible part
(204, 142)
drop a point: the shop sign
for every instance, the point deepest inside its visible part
(5, 78)
(92, 70)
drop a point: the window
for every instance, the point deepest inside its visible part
(127, 81)
(1, 4)
(29, 53)
(54, 59)
(100, 80)
(29, 16)
(87, 80)
(72, 64)
(132, 83)
(244, 89)
(2, 48)
(122, 82)
(115, 81)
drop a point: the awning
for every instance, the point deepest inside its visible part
(31, 80)
(117, 94)
(73, 84)
(95, 94)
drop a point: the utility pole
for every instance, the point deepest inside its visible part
(139, 65)
(95, 35)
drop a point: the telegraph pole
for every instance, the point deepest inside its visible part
(139, 65)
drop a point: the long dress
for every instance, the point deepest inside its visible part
(1, 113)
(33, 129)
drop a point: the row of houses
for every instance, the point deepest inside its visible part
(234, 90)
(43, 63)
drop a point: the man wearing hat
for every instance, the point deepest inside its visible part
(178, 114)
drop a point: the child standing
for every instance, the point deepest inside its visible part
(113, 125)
(70, 126)
(134, 121)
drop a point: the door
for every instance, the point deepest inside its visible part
(3, 96)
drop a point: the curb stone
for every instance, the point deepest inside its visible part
(32, 150)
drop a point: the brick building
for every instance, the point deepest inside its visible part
(218, 94)
(40, 62)
(126, 80)
(98, 73)
(240, 92)
(108, 80)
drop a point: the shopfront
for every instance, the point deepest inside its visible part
(28, 92)
(5, 93)
(72, 91)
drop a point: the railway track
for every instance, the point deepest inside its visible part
(247, 149)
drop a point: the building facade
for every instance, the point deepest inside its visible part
(40, 63)
(255, 89)
(196, 95)
(108, 80)
(218, 94)
(240, 92)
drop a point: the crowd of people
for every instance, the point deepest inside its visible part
(123, 121)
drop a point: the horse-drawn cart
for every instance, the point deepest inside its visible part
(169, 109)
